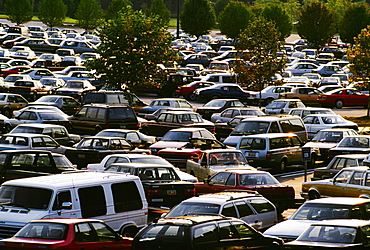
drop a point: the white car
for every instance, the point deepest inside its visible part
(37, 74)
(283, 106)
(268, 94)
(317, 122)
(137, 158)
(329, 80)
(301, 68)
(230, 113)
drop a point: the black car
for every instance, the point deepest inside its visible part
(202, 232)
(216, 106)
(222, 90)
(92, 118)
(40, 45)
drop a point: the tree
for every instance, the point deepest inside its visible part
(276, 14)
(355, 18)
(71, 7)
(220, 5)
(316, 24)
(359, 58)
(89, 14)
(234, 19)
(197, 17)
(52, 12)
(132, 46)
(19, 11)
(115, 6)
(259, 44)
(159, 8)
(337, 7)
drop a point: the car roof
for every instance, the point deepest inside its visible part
(187, 129)
(140, 165)
(191, 220)
(66, 220)
(352, 156)
(270, 135)
(271, 118)
(222, 197)
(342, 222)
(40, 125)
(26, 135)
(339, 200)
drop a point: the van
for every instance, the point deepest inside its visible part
(268, 124)
(117, 199)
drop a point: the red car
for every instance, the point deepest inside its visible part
(187, 90)
(343, 97)
(283, 196)
(64, 233)
(13, 70)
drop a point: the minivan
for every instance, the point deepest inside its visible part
(92, 118)
(117, 199)
(268, 124)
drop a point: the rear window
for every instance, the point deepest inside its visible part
(251, 127)
(123, 114)
(253, 143)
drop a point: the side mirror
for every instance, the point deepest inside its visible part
(206, 181)
(67, 205)
(150, 117)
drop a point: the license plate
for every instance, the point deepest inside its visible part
(252, 154)
(122, 126)
(157, 200)
(171, 192)
(81, 156)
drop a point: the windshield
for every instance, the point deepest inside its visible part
(354, 142)
(257, 179)
(48, 99)
(50, 116)
(276, 105)
(251, 127)
(74, 85)
(321, 212)
(22, 129)
(229, 158)
(215, 103)
(177, 136)
(158, 161)
(190, 208)
(25, 197)
(330, 234)
(328, 136)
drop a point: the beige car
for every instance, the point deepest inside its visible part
(349, 182)
(307, 95)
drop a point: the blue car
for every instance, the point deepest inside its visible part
(328, 70)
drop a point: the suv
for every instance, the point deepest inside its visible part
(267, 124)
(274, 150)
(252, 208)
(92, 118)
(202, 232)
(113, 97)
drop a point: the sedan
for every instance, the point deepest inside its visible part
(135, 137)
(241, 179)
(301, 68)
(67, 104)
(306, 94)
(217, 106)
(230, 113)
(66, 233)
(75, 88)
(38, 45)
(328, 70)
(188, 89)
(333, 234)
(222, 90)
(197, 58)
(164, 103)
(316, 122)
(356, 144)
(340, 98)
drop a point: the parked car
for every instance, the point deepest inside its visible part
(164, 103)
(327, 70)
(175, 119)
(78, 46)
(223, 129)
(274, 151)
(40, 107)
(36, 116)
(190, 232)
(301, 68)
(29, 89)
(326, 139)
(307, 95)
(230, 113)
(179, 137)
(327, 88)
(163, 186)
(282, 106)
(336, 164)
(38, 44)
(196, 58)
(234, 179)
(330, 80)
(59, 133)
(135, 137)
(10, 102)
(92, 118)
(217, 106)
(302, 112)
(94, 148)
(348, 182)
(187, 90)
(340, 98)
(242, 205)
(268, 94)
(222, 90)
(75, 88)
(67, 104)
(349, 234)
(317, 210)
(267, 124)
(316, 122)
(356, 144)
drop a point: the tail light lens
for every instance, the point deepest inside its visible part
(213, 130)
(189, 191)
(153, 192)
(137, 125)
(268, 155)
(106, 125)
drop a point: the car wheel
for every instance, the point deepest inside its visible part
(175, 95)
(7, 112)
(339, 104)
(128, 231)
(7, 128)
(312, 195)
(312, 163)
(192, 97)
(98, 129)
(282, 166)
(268, 100)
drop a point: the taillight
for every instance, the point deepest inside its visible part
(268, 155)
(106, 125)
(213, 130)
(189, 191)
(153, 192)
(137, 125)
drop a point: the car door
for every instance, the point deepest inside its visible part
(58, 211)
(337, 188)
(17, 102)
(355, 186)
(225, 116)
(78, 120)
(217, 183)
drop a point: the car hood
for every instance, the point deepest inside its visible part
(289, 228)
(321, 245)
(323, 145)
(168, 144)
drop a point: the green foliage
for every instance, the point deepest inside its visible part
(259, 44)
(89, 14)
(115, 6)
(337, 7)
(197, 17)
(291, 7)
(234, 19)
(19, 11)
(158, 8)
(52, 12)
(71, 7)
(220, 5)
(132, 46)
(316, 24)
(354, 19)
(276, 14)
(359, 56)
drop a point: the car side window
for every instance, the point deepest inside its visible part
(84, 233)
(103, 232)
(219, 178)
(231, 181)
(262, 205)
(343, 176)
(244, 209)
(204, 234)
(227, 113)
(274, 128)
(48, 142)
(243, 230)
(356, 178)
(229, 210)
(64, 196)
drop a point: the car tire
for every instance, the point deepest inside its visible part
(312, 195)
(192, 97)
(7, 112)
(128, 231)
(282, 165)
(339, 104)
(175, 95)
(7, 128)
